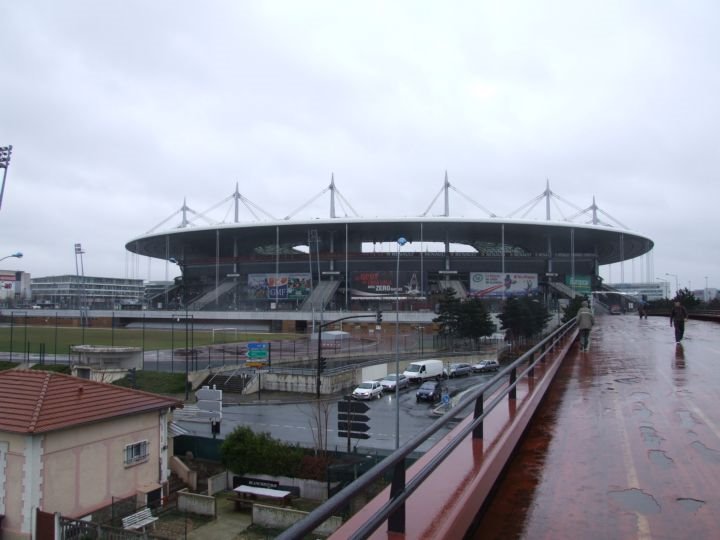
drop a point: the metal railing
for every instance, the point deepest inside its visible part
(393, 511)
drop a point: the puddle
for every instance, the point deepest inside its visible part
(713, 456)
(629, 380)
(659, 458)
(636, 500)
(641, 410)
(691, 505)
(650, 436)
(687, 419)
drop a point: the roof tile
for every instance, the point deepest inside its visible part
(41, 401)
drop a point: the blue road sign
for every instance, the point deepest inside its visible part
(257, 345)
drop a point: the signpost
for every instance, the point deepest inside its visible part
(352, 420)
(258, 354)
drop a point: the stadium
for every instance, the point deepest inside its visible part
(358, 264)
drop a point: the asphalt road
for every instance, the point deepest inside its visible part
(295, 422)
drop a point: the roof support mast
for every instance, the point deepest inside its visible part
(547, 199)
(332, 195)
(446, 188)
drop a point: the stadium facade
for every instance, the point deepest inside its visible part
(352, 263)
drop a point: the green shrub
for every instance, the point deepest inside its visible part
(245, 451)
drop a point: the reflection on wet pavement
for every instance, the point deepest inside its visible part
(636, 501)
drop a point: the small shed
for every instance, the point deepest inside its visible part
(104, 363)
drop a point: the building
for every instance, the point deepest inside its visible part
(70, 446)
(360, 264)
(75, 292)
(14, 288)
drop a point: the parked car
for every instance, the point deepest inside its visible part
(390, 380)
(368, 390)
(422, 370)
(458, 370)
(429, 391)
(486, 365)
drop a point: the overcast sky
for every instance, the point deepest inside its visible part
(117, 111)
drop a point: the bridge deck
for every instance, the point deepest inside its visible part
(627, 443)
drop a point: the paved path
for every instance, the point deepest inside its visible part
(627, 444)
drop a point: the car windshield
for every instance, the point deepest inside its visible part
(391, 377)
(427, 386)
(365, 385)
(413, 368)
(455, 366)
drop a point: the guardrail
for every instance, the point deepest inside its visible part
(393, 511)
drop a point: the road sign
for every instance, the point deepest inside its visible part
(353, 435)
(256, 364)
(344, 417)
(353, 407)
(355, 427)
(258, 350)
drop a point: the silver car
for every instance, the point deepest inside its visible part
(458, 370)
(486, 365)
(368, 390)
(392, 379)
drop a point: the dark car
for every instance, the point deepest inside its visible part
(429, 391)
(458, 370)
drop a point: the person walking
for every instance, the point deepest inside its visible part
(678, 316)
(585, 321)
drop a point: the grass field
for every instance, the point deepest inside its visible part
(59, 339)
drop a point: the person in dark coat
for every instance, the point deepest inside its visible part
(678, 316)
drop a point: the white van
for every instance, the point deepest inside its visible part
(422, 370)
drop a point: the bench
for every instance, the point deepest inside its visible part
(138, 520)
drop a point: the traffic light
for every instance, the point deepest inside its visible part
(378, 318)
(322, 364)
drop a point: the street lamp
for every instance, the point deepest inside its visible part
(19, 256)
(183, 300)
(665, 286)
(400, 243)
(5, 153)
(677, 289)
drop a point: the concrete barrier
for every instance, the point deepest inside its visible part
(281, 518)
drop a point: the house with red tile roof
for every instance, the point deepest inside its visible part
(71, 445)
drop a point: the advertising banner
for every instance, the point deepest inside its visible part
(581, 284)
(383, 283)
(497, 284)
(279, 286)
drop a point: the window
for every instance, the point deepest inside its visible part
(136, 453)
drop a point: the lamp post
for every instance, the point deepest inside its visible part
(183, 301)
(677, 289)
(5, 153)
(400, 243)
(19, 256)
(666, 286)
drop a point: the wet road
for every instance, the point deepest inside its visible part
(627, 443)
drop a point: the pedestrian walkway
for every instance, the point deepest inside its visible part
(627, 443)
